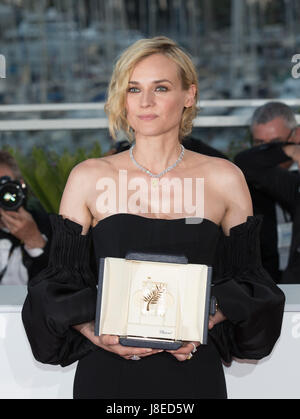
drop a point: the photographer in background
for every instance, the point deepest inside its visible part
(271, 170)
(24, 234)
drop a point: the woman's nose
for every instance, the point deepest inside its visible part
(147, 99)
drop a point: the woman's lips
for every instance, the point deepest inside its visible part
(149, 117)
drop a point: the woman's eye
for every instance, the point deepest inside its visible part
(161, 89)
(133, 90)
(157, 89)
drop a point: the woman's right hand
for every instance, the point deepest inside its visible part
(111, 343)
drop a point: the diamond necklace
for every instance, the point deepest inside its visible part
(155, 177)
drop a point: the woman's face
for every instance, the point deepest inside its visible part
(155, 99)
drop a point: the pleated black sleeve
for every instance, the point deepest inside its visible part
(60, 296)
(247, 296)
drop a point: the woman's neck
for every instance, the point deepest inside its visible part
(156, 154)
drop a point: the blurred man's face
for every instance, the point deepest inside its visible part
(273, 131)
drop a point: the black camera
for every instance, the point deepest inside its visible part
(13, 193)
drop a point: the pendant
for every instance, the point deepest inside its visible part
(154, 182)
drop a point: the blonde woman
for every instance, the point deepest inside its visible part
(117, 203)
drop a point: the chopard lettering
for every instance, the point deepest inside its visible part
(165, 332)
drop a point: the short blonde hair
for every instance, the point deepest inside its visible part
(115, 106)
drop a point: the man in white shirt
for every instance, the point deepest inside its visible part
(23, 246)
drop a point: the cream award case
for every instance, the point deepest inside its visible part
(153, 300)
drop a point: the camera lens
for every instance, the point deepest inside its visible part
(11, 196)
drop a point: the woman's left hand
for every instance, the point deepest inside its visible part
(185, 351)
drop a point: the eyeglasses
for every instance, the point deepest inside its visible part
(257, 141)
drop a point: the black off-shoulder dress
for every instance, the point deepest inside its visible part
(64, 294)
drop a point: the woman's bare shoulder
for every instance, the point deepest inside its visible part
(220, 174)
(219, 166)
(213, 165)
(95, 166)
